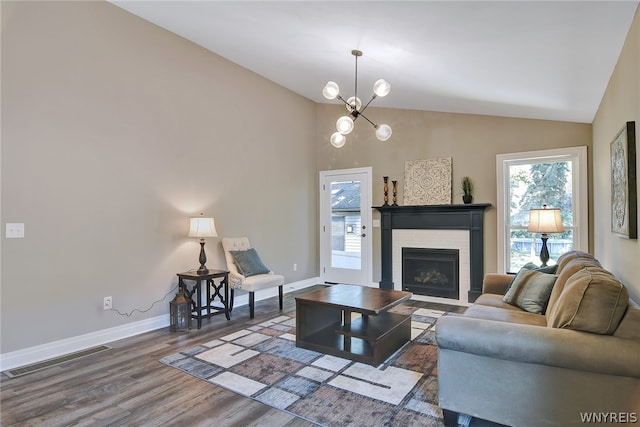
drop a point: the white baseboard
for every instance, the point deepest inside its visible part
(53, 349)
(241, 298)
(39, 353)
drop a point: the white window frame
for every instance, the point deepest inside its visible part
(580, 194)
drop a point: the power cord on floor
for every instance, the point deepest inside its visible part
(144, 311)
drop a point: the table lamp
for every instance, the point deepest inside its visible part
(202, 227)
(545, 220)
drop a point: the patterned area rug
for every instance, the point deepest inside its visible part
(262, 362)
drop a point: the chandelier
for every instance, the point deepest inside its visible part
(345, 124)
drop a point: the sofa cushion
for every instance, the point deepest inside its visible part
(477, 311)
(572, 255)
(260, 281)
(495, 300)
(530, 290)
(567, 267)
(629, 326)
(249, 262)
(592, 300)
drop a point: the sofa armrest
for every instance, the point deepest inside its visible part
(562, 348)
(495, 283)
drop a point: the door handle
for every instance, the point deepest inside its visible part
(363, 235)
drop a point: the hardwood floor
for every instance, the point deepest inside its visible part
(127, 385)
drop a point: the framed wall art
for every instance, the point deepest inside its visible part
(427, 182)
(624, 195)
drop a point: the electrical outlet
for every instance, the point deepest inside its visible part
(295, 267)
(15, 230)
(108, 303)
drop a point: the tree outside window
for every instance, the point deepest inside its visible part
(530, 180)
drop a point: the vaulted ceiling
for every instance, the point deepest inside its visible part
(538, 59)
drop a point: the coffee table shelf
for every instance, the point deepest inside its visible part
(372, 328)
(323, 323)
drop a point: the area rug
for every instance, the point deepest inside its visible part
(263, 363)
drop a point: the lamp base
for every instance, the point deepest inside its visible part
(544, 252)
(203, 259)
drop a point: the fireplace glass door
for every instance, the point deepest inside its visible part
(431, 272)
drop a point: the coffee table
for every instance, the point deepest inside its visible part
(323, 322)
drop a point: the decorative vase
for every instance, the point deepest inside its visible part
(395, 193)
(386, 190)
(467, 198)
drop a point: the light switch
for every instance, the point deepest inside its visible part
(15, 230)
(376, 223)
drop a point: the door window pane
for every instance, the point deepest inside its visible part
(345, 225)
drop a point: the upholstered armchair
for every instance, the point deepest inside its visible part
(247, 272)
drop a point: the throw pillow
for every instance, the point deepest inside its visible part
(592, 300)
(249, 262)
(549, 269)
(530, 290)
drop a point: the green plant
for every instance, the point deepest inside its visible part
(467, 186)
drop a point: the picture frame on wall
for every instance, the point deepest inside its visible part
(624, 192)
(427, 182)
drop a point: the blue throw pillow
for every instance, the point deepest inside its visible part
(249, 262)
(530, 290)
(549, 269)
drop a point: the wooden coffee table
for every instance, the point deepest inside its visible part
(323, 322)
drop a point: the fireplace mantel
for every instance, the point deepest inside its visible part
(436, 217)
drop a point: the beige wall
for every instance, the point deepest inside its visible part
(620, 104)
(114, 132)
(472, 141)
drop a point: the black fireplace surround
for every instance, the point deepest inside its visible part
(436, 217)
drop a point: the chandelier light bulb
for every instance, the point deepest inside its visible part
(331, 90)
(381, 88)
(353, 102)
(383, 132)
(338, 139)
(344, 125)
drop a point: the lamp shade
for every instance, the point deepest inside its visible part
(545, 220)
(202, 227)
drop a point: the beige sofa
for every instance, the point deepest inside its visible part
(580, 358)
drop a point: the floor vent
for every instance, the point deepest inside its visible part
(28, 369)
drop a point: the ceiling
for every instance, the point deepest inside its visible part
(547, 60)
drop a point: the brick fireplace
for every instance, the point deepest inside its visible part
(434, 229)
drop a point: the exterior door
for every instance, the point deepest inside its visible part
(345, 226)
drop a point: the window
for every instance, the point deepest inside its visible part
(556, 178)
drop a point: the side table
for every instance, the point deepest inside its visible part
(208, 279)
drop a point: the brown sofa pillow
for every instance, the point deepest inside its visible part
(567, 267)
(592, 301)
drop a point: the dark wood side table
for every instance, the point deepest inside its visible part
(208, 279)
